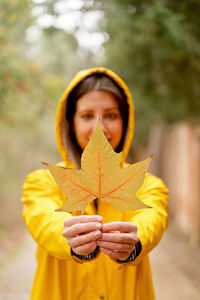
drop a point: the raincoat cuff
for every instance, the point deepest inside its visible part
(133, 255)
(83, 258)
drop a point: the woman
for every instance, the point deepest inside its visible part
(102, 254)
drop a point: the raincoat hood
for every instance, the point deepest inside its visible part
(65, 145)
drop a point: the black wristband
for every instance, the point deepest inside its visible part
(134, 254)
(85, 257)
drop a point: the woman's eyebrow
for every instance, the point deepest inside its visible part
(111, 108)
(92, 110)
(86, 110)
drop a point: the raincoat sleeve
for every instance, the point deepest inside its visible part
(41, 197)
(151, 222)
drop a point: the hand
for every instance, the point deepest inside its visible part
(82, 233)
(118, 239)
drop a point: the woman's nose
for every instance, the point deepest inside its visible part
(103, 125)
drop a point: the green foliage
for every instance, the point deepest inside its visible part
(29, 91)
(13, 71)
(155, 46)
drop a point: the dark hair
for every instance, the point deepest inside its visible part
(97, 82)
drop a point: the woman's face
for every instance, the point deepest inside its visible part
(94, 106)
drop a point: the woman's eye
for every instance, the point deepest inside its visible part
(87, 116)
(111, 116)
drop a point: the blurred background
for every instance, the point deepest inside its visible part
(155, 47)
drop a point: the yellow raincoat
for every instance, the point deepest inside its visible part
(58, 275)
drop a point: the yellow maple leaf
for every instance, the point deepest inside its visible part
(100, 177)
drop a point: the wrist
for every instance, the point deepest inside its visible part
(134, 254)
(81, 258)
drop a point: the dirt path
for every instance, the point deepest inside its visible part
(175, 267)
(17, 271)
(174, 262)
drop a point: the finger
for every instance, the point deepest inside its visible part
(82, 219)
(115, 255)
(119, 226)
(85, 249)
(125, 238)
(84, 239)
(116, 246)
(81, 228)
